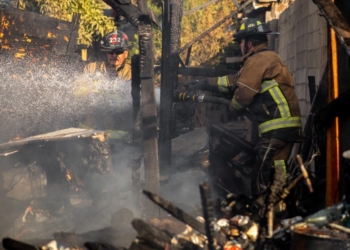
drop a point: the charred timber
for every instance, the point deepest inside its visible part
(172, 16)
(11, 244)
(334, 109)
(140, 19)
(176, 212)
(126, 9)
(336, 20)
(101, 246)
(318, 101)
(207, 72)
(149, 112)
(150, 235)
(183, 216)
(208, 214)
(136, 94)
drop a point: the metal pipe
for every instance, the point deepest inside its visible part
(333, 147)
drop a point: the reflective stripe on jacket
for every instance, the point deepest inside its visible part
(266, 87)
(285, 120)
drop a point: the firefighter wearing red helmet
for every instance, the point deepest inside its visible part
(116, 45)
(265, 87)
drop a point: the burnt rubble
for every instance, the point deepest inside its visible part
(53, 182)
(232, 230)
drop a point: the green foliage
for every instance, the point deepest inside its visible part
(208, 50)
(93, 23)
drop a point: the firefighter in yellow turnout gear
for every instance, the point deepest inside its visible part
(116, 45)
(265, 87)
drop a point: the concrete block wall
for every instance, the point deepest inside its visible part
(302, 46)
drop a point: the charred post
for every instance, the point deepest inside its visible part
(126, 9)
(172, 16)
(208, 214)
(135, 93)
(149, 116)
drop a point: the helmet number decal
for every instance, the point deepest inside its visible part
(114, 40)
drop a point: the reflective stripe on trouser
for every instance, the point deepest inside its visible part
(285, 120)
(223, 84)
(282, 164)
(270, 152)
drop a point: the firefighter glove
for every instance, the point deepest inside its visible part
(198, 85)
(236, 108)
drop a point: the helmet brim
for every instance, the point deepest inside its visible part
(105, 49)
(237, 36)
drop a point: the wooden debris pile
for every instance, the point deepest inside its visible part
(45, 177)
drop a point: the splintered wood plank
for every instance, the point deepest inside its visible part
(65, 134)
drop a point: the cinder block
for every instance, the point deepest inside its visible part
(311, 23)
(312, 8)
(309, 58)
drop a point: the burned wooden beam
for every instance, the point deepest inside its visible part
(188, 56)
(101, 246)
(336, 20)
(334, 109)
(185, 217)
(126, 9)
(132, 13)
(144, 73)
(207, 72)
(176, 212)
(11, 244)
(152, 236)
(172, 15)
(149, 112)
(208, 214)
(135, 93)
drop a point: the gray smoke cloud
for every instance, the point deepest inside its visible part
(41, 94)
(47, 96)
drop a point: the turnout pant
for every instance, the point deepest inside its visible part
(270, 153)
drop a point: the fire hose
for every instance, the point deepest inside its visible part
(179, 96)
(190, 97)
